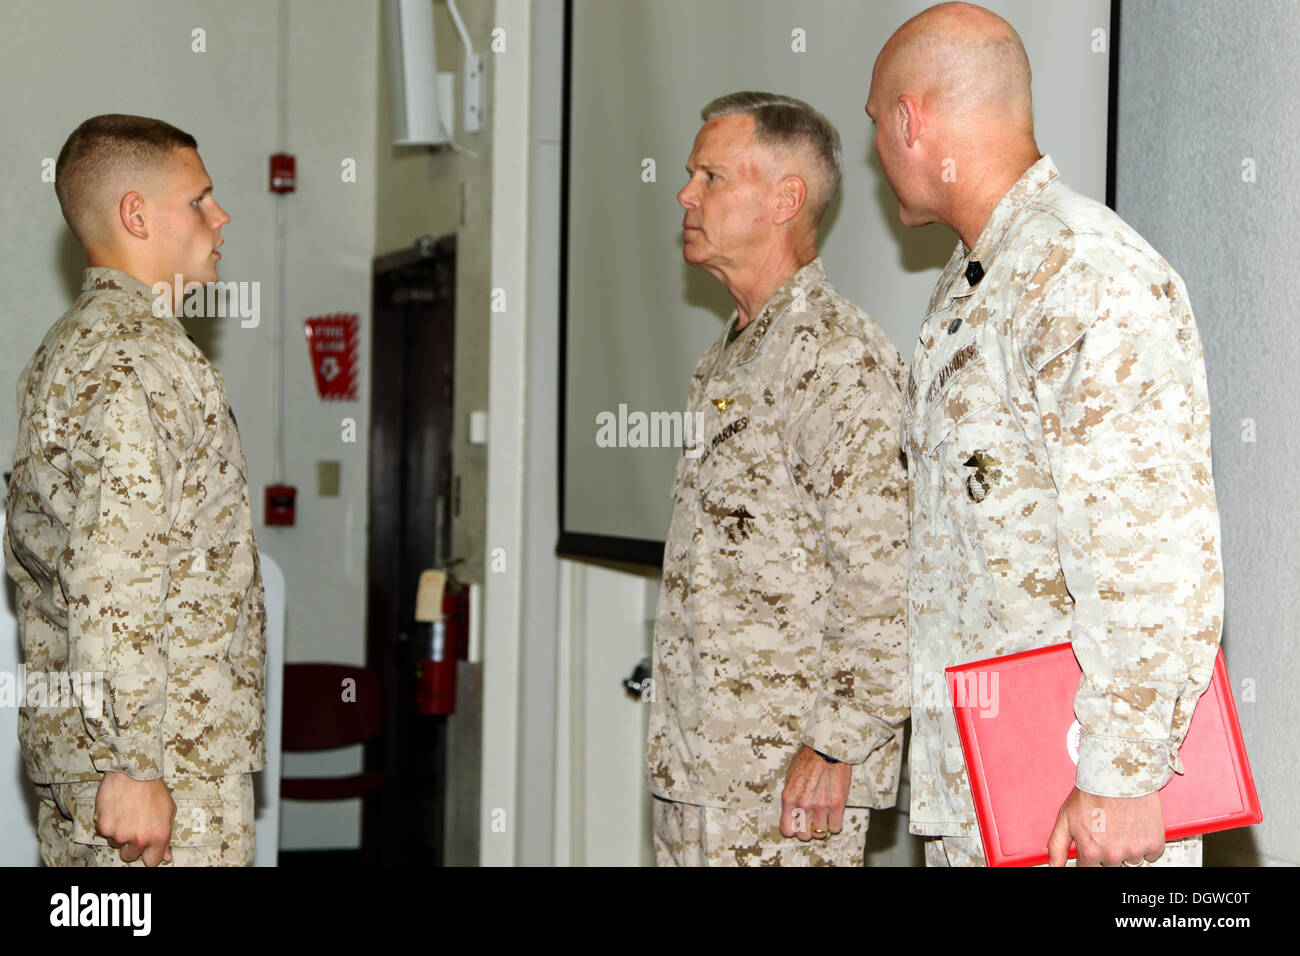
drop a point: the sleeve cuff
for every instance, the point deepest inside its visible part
(1120, 767)
(140, 758)
(849, 738)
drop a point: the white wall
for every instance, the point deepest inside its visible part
(602, 805)
(1205, 88)
(503, 612)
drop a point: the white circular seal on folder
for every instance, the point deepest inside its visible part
(1072, 742)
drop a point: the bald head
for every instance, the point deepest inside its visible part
(965, 63)
(953, 112)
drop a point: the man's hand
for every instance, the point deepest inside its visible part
(135, 816)
(1108, 831)
(814, 794)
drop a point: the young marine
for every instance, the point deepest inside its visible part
(129, 533)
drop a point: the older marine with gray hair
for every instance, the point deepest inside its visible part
(802, 138)
(780, 661)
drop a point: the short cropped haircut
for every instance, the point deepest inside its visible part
(787, 123)
(101, 154)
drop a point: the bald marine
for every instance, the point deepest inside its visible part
(951, 100)
(1059, 359)
(959, 55)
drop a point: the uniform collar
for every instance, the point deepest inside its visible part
(102, 278)
(751, 339)
(994, 233)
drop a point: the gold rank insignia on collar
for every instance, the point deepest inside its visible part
(722, 404)
(987, 474)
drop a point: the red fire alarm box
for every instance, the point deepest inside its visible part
(280, 504)
(282, 173)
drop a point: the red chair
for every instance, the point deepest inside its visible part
(322, 711)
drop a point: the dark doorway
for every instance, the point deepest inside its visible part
(412, 361)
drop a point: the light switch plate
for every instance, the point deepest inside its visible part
(327, 479)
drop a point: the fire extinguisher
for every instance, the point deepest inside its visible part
(444, 642)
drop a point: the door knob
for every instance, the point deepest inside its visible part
(639, 679)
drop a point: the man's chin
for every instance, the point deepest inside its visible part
(201, 278)
(912, 219)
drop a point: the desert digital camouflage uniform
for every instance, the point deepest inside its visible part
(969, 851)
(1057, 428)
(781, 615)
(213, 826)
(689, 835)
(130, 539)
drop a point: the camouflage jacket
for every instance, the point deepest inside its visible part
(130, 539)
(781, 614)
(1057, 427)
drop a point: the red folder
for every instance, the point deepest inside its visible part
(1015, 716)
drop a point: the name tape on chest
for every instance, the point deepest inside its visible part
(734, 428)
(955, 364)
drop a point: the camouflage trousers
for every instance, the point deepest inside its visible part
(687, 835)
(968, 851)
(213, 825)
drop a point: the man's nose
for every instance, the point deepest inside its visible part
(686, 198)
(223, 218)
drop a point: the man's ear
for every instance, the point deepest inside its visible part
(791, 197)
(910, 124)
(131, 211)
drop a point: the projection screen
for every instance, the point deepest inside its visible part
(635, 317)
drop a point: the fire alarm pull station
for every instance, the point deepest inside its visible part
(282, 173)
(280, 504)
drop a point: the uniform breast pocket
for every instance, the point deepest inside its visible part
(987, 471)
(729, 485)
(751, 539)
